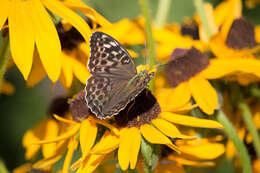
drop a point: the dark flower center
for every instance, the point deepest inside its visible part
(184, 64)
(79, 108)
(59, 106)
(190, 29)
(140, 111)
(241, 35)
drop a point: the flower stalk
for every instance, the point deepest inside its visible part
(248, 118)
(162, 13)
(240, 147)
(4, 55)
(145, 7)
(199, 5)
(150, 156)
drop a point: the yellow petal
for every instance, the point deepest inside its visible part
(67, 70)
(207, 151)
(130, 140)
(231, 66)
(72, 146)
(257, 33)
(154, 136)
(21, 36)
(58, 8)
(189, 121)
(4, 11)
(168, 128)
(47, 40)
(64, 120)
(61, 148)
(65, 135)
(107, 143)
(88, 133)
(204, 94)
(51, 131)
(80, 71)
(91, 163)
(184, 161)
(79, 5)
(179, 96)
(37, 73)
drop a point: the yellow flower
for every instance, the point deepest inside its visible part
(82, 130)
(188, 71)
(30, 23)
(147, 120)
(237, 37)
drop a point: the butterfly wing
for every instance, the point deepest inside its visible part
(109, 89)
(109, 58)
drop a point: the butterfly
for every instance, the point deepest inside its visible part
(114, 80)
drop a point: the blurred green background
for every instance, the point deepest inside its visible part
(28, 106)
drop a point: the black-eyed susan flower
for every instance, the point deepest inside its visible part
(237, 36)
(30, 23)
(188, 72)
(82, 131)
(147, 120)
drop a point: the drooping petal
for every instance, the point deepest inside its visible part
(111, 127)
(168, 128)
(67, 70)
(88, 133)
(47, 40)
(107, 143)
(58, 8)
(51, 132)
(231, 66)
(21, 36)
(189, 121)
(130, 140)
(4, 11)
(154, 136)
(65, 135)
(64, 120)
(61, 148)
(71, 147)
(204, 94)
(90, 164)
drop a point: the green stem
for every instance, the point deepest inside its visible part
(145, 7)
(162, 13)
(240, 147)
(248, 118)
(203, 17)
(150, 153)
(4, 55)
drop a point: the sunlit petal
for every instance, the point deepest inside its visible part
(168, 128)
(204, 94)
(70, 16)
(130, 140)
(47, 40)
(88, 133)
(190, 121)
(4, 11)
(21, 36)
